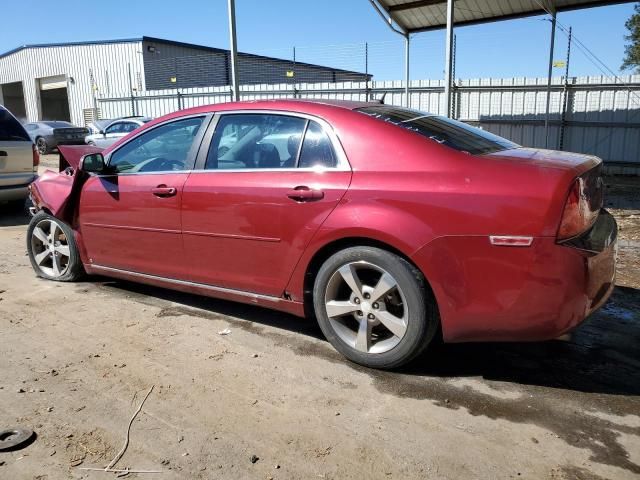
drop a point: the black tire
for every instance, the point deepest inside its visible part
(42, 146)
(73, 268)
(422, 321)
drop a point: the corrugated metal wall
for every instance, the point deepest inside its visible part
(168, 65)
(602, 114)
(108, 62)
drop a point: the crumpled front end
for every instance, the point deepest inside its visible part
(56, 192)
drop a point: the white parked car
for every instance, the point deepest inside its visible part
(115, 131)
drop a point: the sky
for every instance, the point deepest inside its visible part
(331, 32)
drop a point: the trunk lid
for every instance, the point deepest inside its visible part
(578, 162)
(70, 133)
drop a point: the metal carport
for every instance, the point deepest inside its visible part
(406, 17)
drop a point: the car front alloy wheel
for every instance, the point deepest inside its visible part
(52, 249)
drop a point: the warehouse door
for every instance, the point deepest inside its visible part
(54, 99)
(12, 97)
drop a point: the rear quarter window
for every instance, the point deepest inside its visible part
(10, 129)
(451, 133)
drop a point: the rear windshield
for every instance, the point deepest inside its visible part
(443, 130)
(10, 128)
(58, 124)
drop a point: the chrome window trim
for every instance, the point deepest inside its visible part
(267, 170)
(193, 151)
(343, 162)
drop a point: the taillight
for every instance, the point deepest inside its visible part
(36, 156)
(582, 207)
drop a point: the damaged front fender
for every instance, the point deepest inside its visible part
(58, 192)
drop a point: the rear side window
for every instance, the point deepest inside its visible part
(454, 134)
(250, 141)
(10, 129)
(58, 124)
(317, 150)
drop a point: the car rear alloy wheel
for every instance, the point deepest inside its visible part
(374, 307)
(52, 249)
(41, 145)
(372, 318)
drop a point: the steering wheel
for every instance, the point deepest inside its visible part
(161, 164)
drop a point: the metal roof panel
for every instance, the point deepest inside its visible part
(421, 15)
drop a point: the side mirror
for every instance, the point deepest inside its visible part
(92, 163)
(101, 132)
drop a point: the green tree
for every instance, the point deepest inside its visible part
(632, 49)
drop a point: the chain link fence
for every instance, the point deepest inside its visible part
(597, 115)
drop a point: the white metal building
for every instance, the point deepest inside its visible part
(62, 81)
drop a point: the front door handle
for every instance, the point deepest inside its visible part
(305, 194)
(163, 191)
(3, 153)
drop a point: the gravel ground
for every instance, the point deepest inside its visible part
(273, 400)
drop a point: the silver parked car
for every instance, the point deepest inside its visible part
(48, 134)
(98, 126)
(18, 160)
(115, 131)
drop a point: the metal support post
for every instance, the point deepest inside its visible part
(235, 87)
(448, 73)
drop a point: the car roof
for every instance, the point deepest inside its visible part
(319, 108)
(299, 105)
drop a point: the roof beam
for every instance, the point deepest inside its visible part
(415, 4)
(381, 9)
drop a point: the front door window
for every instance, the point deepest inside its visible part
(161, 149)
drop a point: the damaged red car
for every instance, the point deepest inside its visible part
(387, 225)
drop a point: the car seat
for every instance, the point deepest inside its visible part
(266, 156)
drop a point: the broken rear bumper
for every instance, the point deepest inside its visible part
(496, 293)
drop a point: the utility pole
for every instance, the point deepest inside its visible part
(565, 97)
(549, 74)
(366, 70)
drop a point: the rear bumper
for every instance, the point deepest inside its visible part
(495, 293)
(14, 192)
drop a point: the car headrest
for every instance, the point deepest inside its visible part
(292, 144)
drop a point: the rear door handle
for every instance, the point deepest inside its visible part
(163, 191)
(3, 153)
(305, 194)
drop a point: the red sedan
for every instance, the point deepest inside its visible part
(387, 225)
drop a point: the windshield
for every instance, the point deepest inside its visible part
(452, 133)
(58, 124)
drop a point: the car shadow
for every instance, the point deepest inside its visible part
(215, 307)
(11, 216)
(600, 357)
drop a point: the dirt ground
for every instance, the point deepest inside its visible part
(77, 359)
